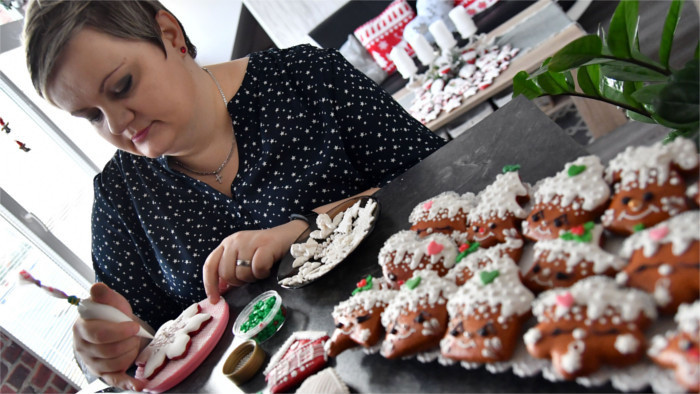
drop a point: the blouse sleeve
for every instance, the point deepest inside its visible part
(119, 264)
(381, 138)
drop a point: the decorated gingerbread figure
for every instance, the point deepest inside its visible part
(664, 260)
(575, 255)
(405, 252)
(474, 259)
(358, 319)
(416, 319)
(648, 185)
(679, 349)
(591, 323)
(445, 213)
(572, 197)
(498, 212)
(486, 315)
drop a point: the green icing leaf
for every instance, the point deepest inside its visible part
(412, 283)
(367, 286)
(575, 170)
(488, 276)
(638, 227)
(511, 168)
(472, 248)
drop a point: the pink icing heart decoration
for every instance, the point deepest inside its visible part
(427, 205)
(658, 233)
(434, 248)
(565, 300)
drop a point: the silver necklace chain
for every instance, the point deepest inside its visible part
(217, 172)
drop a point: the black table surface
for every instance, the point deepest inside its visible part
(518, 133)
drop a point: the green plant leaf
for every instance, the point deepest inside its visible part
(628, 88)
(639, 117)
(525, 86)
(648, 94)
(576, 53)
(625, 71)
(622, 31)
(589, 79)
(569, 80)
(613, 91)
(553, 83)
(674, 14)
(678, 103)
(689, 72)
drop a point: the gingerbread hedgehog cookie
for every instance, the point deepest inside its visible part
(473, 259)
(445, 213)
(486, 315)
(680, 349)
(572, 197)
(591, 323)
(416, 319)
(648, 187)
(498, 213)
(406, 251)
(575, 255)
(664, 260)
(358, 319)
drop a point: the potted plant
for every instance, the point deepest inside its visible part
(611, 68)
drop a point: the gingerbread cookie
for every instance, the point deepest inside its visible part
(665, 261)
(181, 345)
(486, 315)
(358, 319)
(405, 252)
(301, 355)
(572, 197)
(416, 319)
(693, 193)
(576, 254)
(445, 213)
(679, 349)
(648, 186)
(591, 323)
(498, 212)
(474, 259)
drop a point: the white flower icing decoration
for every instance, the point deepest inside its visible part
(173, 338)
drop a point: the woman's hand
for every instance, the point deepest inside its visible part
(108, 349)
(261, 247)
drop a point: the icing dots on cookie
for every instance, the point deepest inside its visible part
(688, 318)
(365, 300)
(409, 249)
(424, 289)
(500, 198)
(680, 231)
(443, 206)
(586, 182)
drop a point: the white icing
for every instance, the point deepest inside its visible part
(532, 336)
(405, 243)
(658, 343)
(692, 190)
(579, 333)
(431, 290)
(444, 205)
(688, 317)
(573, 253)
(482, 257)
(630, 303)
(683, 230)
(505, 291)
(626, 344)
(499, 199)
(643, 165)
(588, 185)
(571, 360)
(366, 300)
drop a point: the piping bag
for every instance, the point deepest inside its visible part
(87, 308)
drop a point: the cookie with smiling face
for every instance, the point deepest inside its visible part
(498, 213)
(648, 187)
(486, 315)
(574, 196)
(405, 252)
(445, 213)
(416, 319)
(575, 255)
(664, 260)
(679, 349)
(475, 259)
(591, 323)
(358, 319)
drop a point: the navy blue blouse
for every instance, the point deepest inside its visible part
(310, 130)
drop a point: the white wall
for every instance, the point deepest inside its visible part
(210, 24)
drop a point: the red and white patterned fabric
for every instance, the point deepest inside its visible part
(382, 33)
(474, 7)
(299, 357)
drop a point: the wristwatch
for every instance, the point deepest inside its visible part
(309, 218)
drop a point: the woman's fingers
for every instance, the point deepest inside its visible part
(262, 263)
(123, 381)
(210, 272)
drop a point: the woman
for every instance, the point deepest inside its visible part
(211, 161)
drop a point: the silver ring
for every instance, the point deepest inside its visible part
(242, 263)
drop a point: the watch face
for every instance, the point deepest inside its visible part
(328, 240)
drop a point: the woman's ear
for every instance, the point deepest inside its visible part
(170, 30)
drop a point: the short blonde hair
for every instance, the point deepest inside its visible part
(50, 24)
